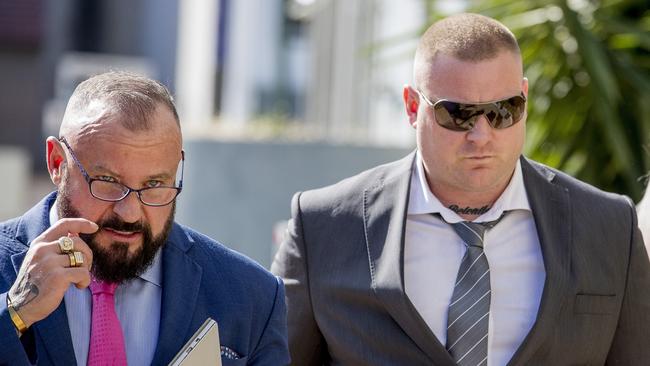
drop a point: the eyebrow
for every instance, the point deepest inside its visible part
(100, 169)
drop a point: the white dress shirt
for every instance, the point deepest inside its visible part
(137, 304)
(433, 252)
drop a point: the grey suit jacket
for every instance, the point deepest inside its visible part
(342, 264)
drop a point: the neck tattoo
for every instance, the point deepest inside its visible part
(469, 210)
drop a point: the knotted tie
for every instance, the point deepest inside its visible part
(106, 338)
(469, 309)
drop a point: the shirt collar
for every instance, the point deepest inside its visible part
(153, 274)
(422, 201)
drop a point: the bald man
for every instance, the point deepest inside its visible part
(465, 252)
(99, 273)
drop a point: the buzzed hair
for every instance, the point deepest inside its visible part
(129, 95)
(467, 37)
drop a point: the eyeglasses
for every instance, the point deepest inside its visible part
(463, 116)
(115, 192)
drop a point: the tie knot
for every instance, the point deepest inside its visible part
(471, 232)
(101, 287)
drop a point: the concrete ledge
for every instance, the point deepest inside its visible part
(236, 192)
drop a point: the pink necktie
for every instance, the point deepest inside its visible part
(106, 338)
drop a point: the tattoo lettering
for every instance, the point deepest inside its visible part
(469, 210)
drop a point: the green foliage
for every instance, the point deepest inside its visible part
(588, 66)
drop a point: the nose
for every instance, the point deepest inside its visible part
(481, 133)
(129, 209)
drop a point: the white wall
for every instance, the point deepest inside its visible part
(15, 166)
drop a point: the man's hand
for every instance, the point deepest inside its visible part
(46, 274)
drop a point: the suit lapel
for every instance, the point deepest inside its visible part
(53, 332)
(551, 211)
(181, 282)
(35, 221)
(385, 206)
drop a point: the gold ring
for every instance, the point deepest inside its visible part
(66, 244)
(79, 258)
(73, 260)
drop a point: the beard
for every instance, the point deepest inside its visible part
(113, 262)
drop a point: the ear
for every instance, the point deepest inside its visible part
(55, 157)
(524, 87)
(411, 104)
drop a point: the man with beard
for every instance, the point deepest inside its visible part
(99, 273)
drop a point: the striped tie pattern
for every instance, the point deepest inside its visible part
(469, 309)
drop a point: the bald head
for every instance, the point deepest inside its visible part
(128, 99)
(466, 37)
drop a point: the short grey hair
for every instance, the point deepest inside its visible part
(127, 94)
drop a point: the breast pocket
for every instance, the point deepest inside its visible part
(596, 304)
(233, 362)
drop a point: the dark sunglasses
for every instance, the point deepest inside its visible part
(462, 116)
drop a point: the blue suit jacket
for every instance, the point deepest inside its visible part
(201, 278)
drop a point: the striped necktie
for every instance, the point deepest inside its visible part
(469, 309)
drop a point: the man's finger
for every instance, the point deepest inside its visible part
(73, 260)
(80, 277)
(67, 226)
(81, 246)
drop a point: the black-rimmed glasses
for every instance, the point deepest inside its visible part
(113, 191)
(456, 116)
